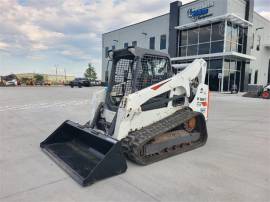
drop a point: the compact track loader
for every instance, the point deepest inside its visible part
(258, 91)
(148, 113)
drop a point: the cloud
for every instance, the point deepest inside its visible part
(3, 45)
(262, 5)
(68, 32)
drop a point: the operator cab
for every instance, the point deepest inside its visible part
(134, 69)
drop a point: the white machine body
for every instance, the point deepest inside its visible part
(130, 116)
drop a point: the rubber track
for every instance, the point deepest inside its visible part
(134, 142)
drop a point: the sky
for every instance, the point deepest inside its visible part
(41, 36)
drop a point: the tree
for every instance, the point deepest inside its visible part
(90, 72)
(39, 77)
(24, 80)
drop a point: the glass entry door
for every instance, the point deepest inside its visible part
(231, 75)
(234, 80)
(214, 74)
(214, 79)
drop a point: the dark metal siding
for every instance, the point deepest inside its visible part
(174, 21)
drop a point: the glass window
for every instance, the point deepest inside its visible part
(240, 48)
(152, 43)
(204, 48)
(134, 43)
(241, 37)
(192, 50)
(204, 34)
(232, 79)
(183, 51)
(226, 64)
(199, 40)
(256, 77)
(162, 42)
(229, 31)
(239, 65)
(245, 35)
(125, 45)
(228, 46)
(217, 47)
(216, 64)
(160, 67)
(234, 47)
(183, 38)
(226, 75)
(193, 36)
(154, 70)
(233, 66)
(106, 52)
(218, 31)
(234, 34)
(214, 81)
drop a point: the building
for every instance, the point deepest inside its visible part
(49, 78)
(228, 34)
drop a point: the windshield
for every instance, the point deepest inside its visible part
(153, 70)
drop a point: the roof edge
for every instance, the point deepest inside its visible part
(135, 24)
(261, 16)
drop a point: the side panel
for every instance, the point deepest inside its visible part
(201, 101)
(139, 120)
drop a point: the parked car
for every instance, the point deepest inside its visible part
(12, 82)
(95, 83)
(80, 82)
(39, 83)
(47, 83)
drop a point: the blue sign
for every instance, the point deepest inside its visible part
(199, 12)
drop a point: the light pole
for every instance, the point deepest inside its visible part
(56, 66)
(65, 75)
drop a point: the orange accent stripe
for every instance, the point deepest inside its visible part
(208, 102)
(204, 104)
(159, 85)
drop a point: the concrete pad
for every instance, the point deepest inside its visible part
(232, 166)
(114, 189)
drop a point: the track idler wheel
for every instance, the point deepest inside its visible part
(190, 125)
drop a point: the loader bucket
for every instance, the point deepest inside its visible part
(85, 154)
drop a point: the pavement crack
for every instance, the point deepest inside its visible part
(33, 188)
(138, 188)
